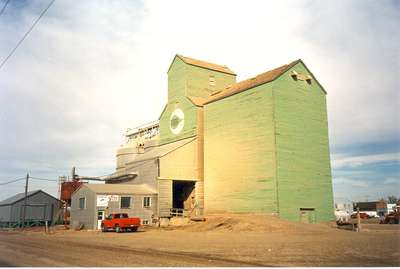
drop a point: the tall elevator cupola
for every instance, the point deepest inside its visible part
(194, 78)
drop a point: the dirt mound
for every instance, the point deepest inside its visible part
(253, 222)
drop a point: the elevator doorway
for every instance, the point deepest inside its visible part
(183, 195)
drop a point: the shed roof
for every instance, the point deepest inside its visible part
(252, 82)
(161, 150)
(121, 188)
(207, 65)
(20, 196)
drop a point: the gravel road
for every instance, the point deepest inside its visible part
(222, 242)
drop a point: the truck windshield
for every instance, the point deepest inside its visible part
(124, 216)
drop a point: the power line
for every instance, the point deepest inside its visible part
(26, 34)
(4, 7)
(46, 179)
(12, 181)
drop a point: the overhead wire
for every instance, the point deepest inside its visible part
(4, 7)
(26, 34)
(45, 179)
(12, 181)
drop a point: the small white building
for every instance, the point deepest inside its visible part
(91, 203)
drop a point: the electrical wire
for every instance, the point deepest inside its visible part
(26, 34)
(12, 181)
(45, 179)
(4, 7)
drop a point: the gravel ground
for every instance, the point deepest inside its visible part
(223, 240)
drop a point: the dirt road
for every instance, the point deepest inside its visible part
(220, 243)
(18, 249)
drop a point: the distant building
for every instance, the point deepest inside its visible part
(345, 207)
(40, 207)
(91, 203)
(373, 209)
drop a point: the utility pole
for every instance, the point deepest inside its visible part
(26, 194)
(358, 220)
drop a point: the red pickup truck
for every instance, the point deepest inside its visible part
(120, 222)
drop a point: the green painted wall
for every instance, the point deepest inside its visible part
(239, 153)
(266, 149)
(303, 162)
(188, 80)
(198, 81)
(189, 129)
(177, 79)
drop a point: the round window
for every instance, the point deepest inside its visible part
(177, 121)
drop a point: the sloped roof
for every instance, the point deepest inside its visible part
(198, 101)
(20, 196)
(207, 65)
(161, 150)
(252, 82)
(121, 188)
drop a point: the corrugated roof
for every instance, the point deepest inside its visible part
(251, 83)
(121, 188)
(161, 150)
(207, 65)
(20, 196)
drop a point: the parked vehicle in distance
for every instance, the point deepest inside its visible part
(342, 217)
(362, 215)
(120, 222)
(393, 217)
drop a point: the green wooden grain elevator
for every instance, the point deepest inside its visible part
(257, 146)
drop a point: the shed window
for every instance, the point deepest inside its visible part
(125, 202)
(82, 203)
(146, 201)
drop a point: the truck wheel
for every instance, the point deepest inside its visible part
(103, 229)
(117, 229)
(134, 229)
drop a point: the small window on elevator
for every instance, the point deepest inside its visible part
(211, 80)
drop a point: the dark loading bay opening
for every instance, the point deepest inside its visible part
(183, 194)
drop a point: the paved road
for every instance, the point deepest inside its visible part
(18, 249)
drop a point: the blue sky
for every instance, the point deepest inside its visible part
(90, 70)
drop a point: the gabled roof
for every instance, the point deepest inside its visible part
(203, 64)
(20, 196)
(252, 82)
(120, 188)
(256, 81)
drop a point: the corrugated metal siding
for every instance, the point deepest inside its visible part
(147, 173)
(164, 197)
(304, 174)
(36, 213)
(239, 153)
(5, 212)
